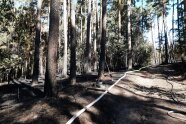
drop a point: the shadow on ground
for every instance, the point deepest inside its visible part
(21, 103)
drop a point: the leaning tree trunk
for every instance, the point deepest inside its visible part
(129, 35)
(103, 41)
(65, 38)
(37, 44)
(50, 87)
(73, 47)
(87, 65)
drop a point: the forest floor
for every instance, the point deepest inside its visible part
(154, 95)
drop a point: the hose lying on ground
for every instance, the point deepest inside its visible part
(173, 95)
(103, 94)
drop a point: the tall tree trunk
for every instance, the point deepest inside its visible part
(97, 24)
(85, 24)
(95, 35)
(142, 17)
(165, 32)
(81, 26)
(87, 67)
(65, 38)
(129, 35)
(37, 44)
(119, 21)
(185, 20)
(60, 63)
(173, 27)
(73, 47)
(100, 22)
(50, 87)
(178, 21)
(41, 70)
(153, 47)
(103, 41)
(159, 39)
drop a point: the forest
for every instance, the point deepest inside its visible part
(93, 61)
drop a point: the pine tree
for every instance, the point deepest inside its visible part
(129, 35)
(165, 31)
(50, 87)
(119, 20)
(103, 41)
(87, 65)
(185, 21)
(73, 46)
(37, 44)
(65, 37)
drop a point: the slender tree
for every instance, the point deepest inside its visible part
(153, 45)
(159, 39)
(81, 25)
(69, 15)
(103, 41)
(73, 46)
(173, 24)
(37, 44)
(165, 31)
(178, 21)
(100, 22)
(185, 20)
(94, 35)
(87, 65)
(129, 35)
(65, 38)
(50, 87)
(119, 21)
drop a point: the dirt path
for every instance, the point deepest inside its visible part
(142, 97)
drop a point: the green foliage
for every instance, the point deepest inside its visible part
(17, 31)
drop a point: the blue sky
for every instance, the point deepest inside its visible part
(155, 29)
(169, 24)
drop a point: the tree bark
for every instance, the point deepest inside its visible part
(129, 35)
(73, 48)
(178, 21)
(173, 26)
(159, 39)
(119, 21)
(50, 87)
(95, 35)
(81, 26)
(100, 22)
(153, 46)
(41, 70)
(87, 65)
(68, 20)
(65, 38)
(185, 20)
(165, 32)
(37, 44)
(103, 41)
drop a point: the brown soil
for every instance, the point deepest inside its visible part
(155, 95)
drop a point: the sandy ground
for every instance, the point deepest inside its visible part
(155, 95)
